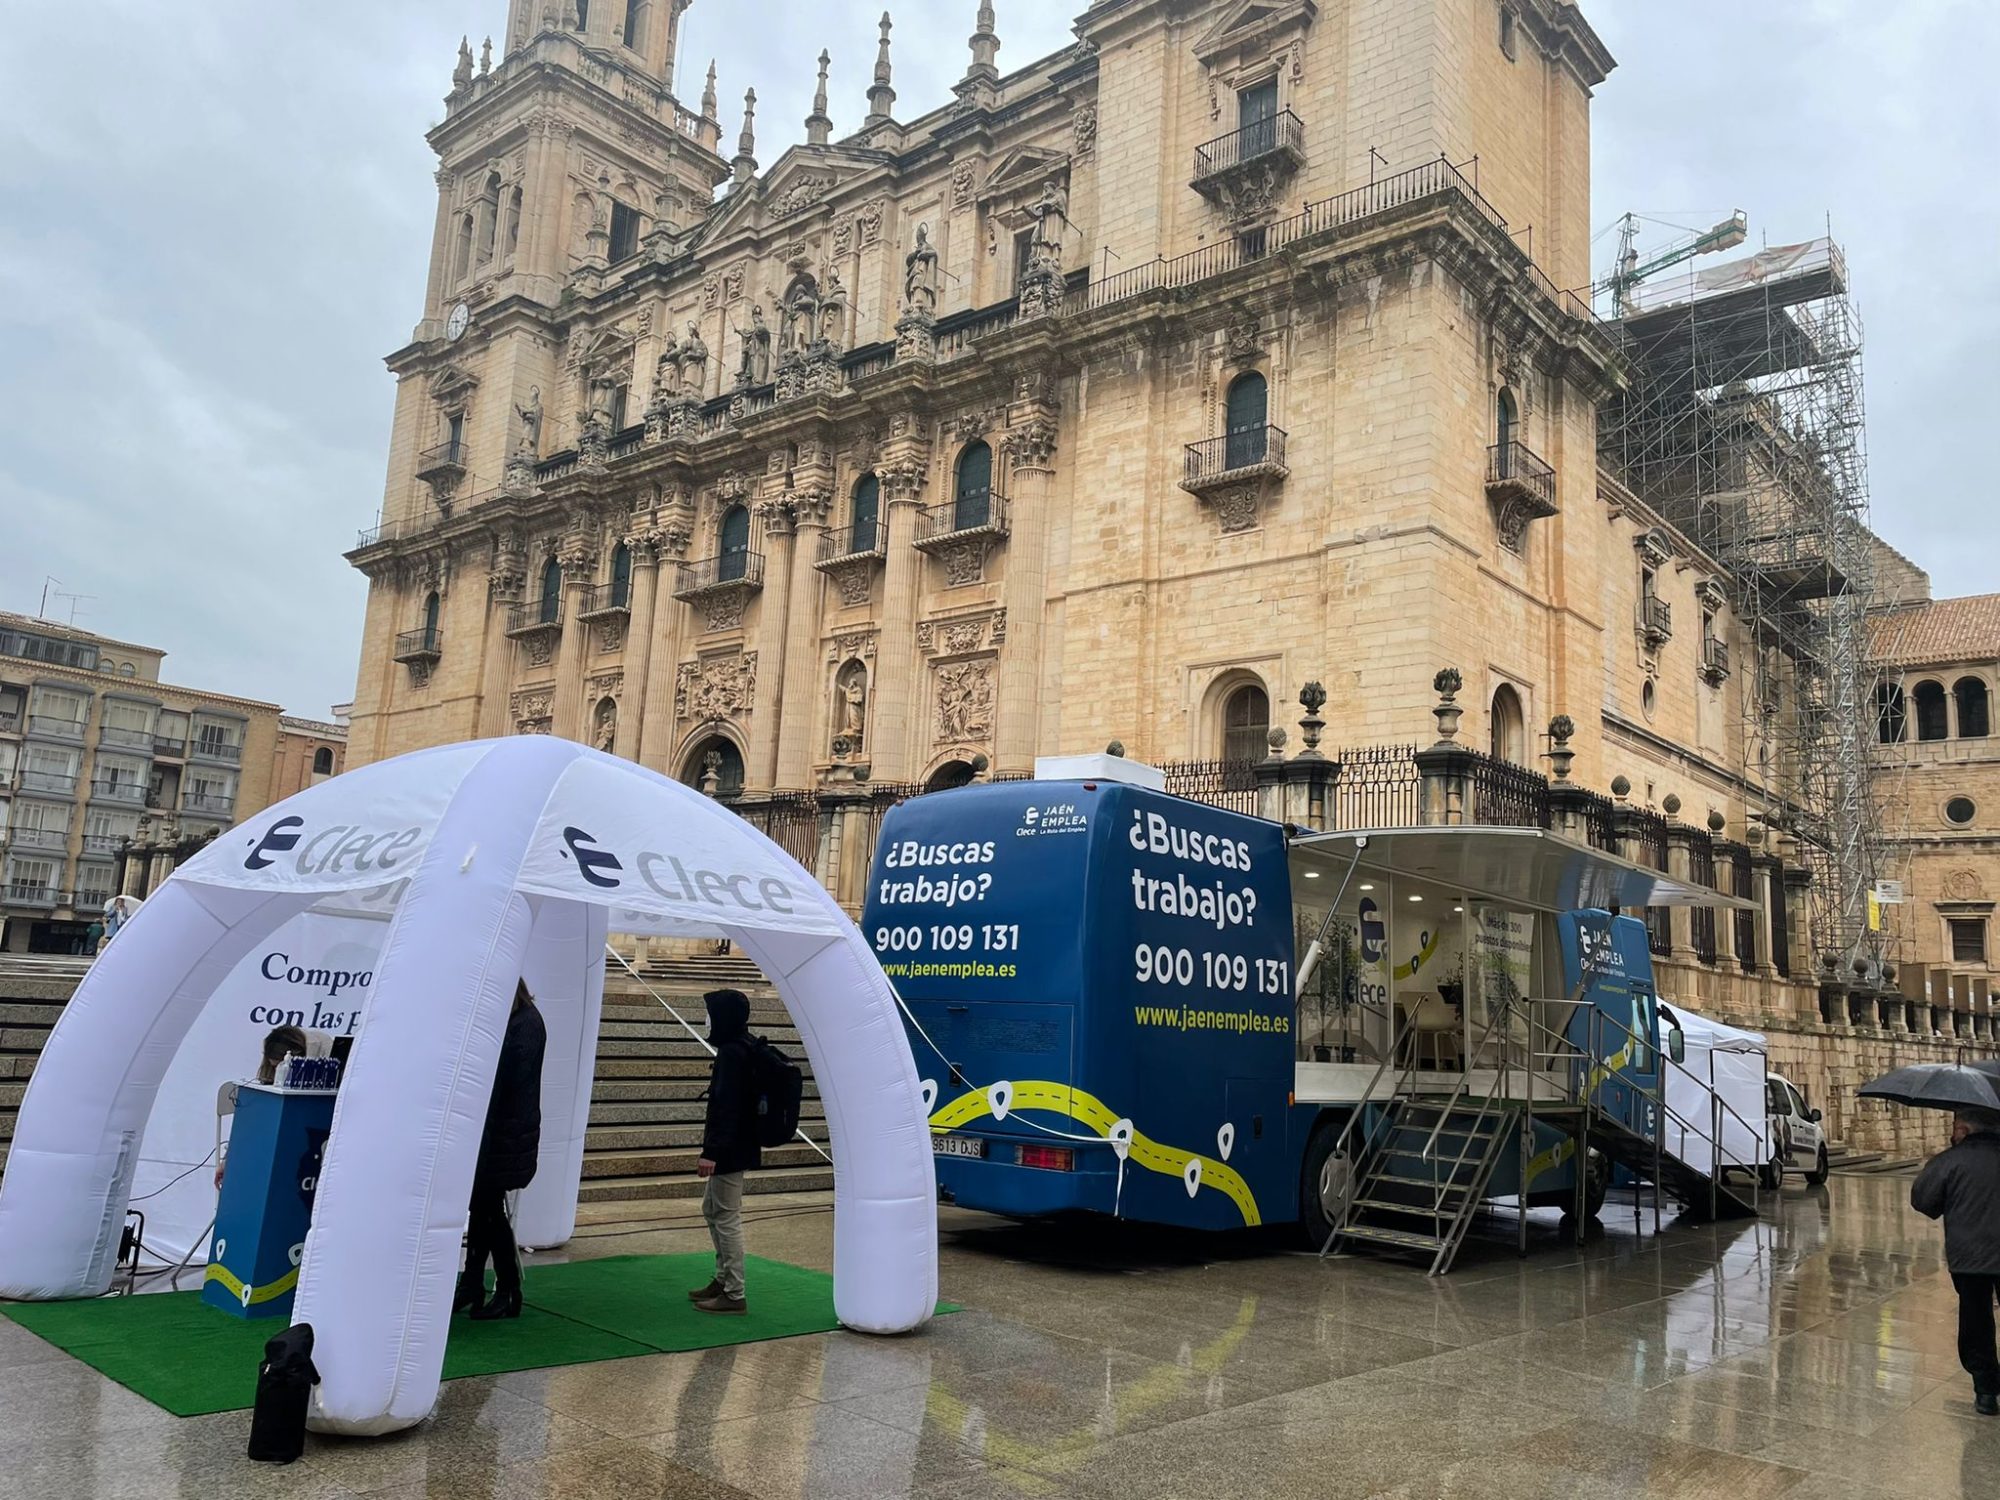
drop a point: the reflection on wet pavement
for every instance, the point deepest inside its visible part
(1810, 1353)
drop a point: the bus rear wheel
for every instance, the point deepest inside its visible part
(1326, 1179)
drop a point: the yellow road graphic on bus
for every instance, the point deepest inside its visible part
(232, 1284)
(1092, 1113)
(1550, 1159)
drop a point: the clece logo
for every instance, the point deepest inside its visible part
(591, 862)
(279, 838)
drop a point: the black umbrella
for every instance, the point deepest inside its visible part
(1937, 1086)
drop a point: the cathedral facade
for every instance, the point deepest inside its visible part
(1114, 399)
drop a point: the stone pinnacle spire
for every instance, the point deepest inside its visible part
(985, 45)
(881, 97)
(708, 101)
(819, 125)
(745, 161)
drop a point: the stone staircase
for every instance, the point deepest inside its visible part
(646, 1107)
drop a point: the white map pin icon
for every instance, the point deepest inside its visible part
(1120, 1137)
(1191, 1175)
(1000, 1099)
(1225, 1140)
(930, 1095)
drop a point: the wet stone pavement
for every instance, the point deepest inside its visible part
(1810, 1353)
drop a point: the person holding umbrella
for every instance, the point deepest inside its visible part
(1961, 1185)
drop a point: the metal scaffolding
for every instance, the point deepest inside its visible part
(1743, 425)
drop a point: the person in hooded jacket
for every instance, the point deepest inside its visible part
(507, 1152)
(1961, 1185)
(729, 1147)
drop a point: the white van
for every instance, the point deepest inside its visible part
(1798, 1140)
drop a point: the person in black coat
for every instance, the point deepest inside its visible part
(507, 1153)
(1961, 1185)
(729, 1147)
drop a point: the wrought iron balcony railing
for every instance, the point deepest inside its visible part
(534, 616)
(856, 541)
(419, 647)
(168, 745)
(10, 721)
(206, 802)
(605, 600)
(1656, 619)
(61, 782)
(229, 752)
(1282, 136)
(1714, 659)
(967, 516)
(1252, 452)
(35, 895)
(1515, 472)
(39, 838)
(728, 570)
(55, 727)
(444, 462)
(118, 791)
(137, 739)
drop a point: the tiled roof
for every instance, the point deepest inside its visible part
(1938, 632)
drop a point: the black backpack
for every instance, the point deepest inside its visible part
(776, 1088)
(284, 1391)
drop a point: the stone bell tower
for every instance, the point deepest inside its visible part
(563, 153)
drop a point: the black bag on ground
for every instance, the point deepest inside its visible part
(284, 1391)
(777, 1087)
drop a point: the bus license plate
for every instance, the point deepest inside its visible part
(958, 1145)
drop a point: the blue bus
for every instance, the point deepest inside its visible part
(1103, 991)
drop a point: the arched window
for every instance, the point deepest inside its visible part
(861, 531)
(972, 503)
(511, 240)
(1246, 724)
(1933, 722)
(1246, 420)
(322, 762)
(715, 766)
(1969, 694)
(431, 620)
(733, 559)
(1892, 713)
(1510, 726)
(953, 773)
(1506, 429)
(461, 265)
(489, 217)
(621, 576)
(551, 601)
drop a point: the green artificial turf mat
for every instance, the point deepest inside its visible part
(192, 1359)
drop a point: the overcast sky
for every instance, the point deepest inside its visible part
(218, 216)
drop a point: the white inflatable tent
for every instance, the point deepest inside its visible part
(1732, 1064)
(499, 859)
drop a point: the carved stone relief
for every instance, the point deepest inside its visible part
(716, 687)
(965, 699)
(957, 635)
(964, 560)
(539, 649)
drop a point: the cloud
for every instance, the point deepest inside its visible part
(219, 221)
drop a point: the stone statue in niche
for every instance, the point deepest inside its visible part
(1051, 213)
(605, 732)
(667, 371)
(756, 366)
(694, 362)
(851, 702)
(530, 443)
(920, 274)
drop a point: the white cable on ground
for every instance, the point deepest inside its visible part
(706, 1047)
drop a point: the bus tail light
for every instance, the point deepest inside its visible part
(1049, 1158)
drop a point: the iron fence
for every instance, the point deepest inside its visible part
(791, 820)
(1648, 831)
(1506, 795)
(1249, 448)
(1743, 883)
(1378, 787)
(1218, 783)
(1701, 919)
